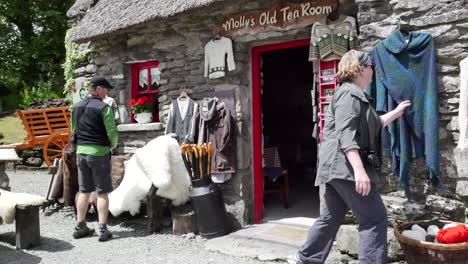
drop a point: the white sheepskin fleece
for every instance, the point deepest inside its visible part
(159, 163)
(133, 188)
(9, 200)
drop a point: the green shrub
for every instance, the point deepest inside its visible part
(1, 135)
(73, 59)
(34, 94)
(10, 102)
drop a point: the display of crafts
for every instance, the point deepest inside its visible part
(438, 232)
(197, 159)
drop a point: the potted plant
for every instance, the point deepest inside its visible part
(142, 109)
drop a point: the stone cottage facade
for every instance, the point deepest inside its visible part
(125, 33)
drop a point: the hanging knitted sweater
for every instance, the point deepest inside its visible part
(215, 57)
(330, 40)
(405, 69)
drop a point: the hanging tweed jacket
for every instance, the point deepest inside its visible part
(405, 69)
(216, 125)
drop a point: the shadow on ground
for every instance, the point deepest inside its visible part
(47, 244)
(13, 256)
(122, 226)
(136, 226)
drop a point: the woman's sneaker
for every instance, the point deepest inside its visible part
(293, 259)
(82, 231)
(104, 235)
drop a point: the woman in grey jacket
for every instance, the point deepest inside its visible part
(349, 168)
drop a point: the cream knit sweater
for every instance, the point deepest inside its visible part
(215, 53)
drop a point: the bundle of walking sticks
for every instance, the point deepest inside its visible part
(197, 159)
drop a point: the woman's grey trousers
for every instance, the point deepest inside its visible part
(340, 196)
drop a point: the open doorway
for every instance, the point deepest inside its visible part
(287, 119)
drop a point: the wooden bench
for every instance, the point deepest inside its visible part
(26, 224)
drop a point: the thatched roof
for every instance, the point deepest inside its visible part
(107, 16)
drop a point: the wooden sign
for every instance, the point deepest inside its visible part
(284, 16)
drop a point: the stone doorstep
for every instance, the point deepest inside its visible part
(283, 234)
(250, 248)
(265, 242)
(270, 241)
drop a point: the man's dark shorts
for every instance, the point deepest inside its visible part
(94, 173)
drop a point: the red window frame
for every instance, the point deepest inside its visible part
(152, 94)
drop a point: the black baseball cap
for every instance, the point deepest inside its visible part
(100, 81)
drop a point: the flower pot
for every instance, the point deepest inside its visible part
(143, 118)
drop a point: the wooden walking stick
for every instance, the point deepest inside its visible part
(183, 151)
(190, 159)
(205, 159)
(196, 162)
(200, 160)
(210, 152)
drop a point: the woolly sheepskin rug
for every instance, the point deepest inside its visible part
(159, 163)
(9, 200)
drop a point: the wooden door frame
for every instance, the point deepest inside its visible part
(257, 118)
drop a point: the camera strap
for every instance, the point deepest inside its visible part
(374, 126)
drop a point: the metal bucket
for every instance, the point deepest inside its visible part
(208, 203)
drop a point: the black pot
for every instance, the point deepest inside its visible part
(208, 203)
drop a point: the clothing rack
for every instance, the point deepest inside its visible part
(327, 84)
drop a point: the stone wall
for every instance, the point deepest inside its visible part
(134, 136)
(447, 22)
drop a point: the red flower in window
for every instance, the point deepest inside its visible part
(145, 99)
(142, 105)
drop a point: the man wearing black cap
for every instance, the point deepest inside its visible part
(95, 134)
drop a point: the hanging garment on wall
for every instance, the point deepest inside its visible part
(330, 40)
(182, 119)
(216, 125)
(215, 53)
(405, 69)
(111, 102)
(79, 94)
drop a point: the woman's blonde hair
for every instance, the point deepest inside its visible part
(351, 65)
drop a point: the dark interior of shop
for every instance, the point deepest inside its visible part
(288, 126)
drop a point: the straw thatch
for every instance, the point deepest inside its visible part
(108, 16)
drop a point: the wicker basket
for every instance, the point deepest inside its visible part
(422, 252)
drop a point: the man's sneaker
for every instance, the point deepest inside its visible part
(104, 235)
(82, 232)
(293, 259)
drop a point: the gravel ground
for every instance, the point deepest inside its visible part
(131, 243)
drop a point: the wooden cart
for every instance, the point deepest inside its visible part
(47, 128)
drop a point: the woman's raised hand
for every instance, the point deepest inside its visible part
(402, 106)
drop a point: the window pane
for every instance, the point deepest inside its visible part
(143, 80)
(155, 78)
